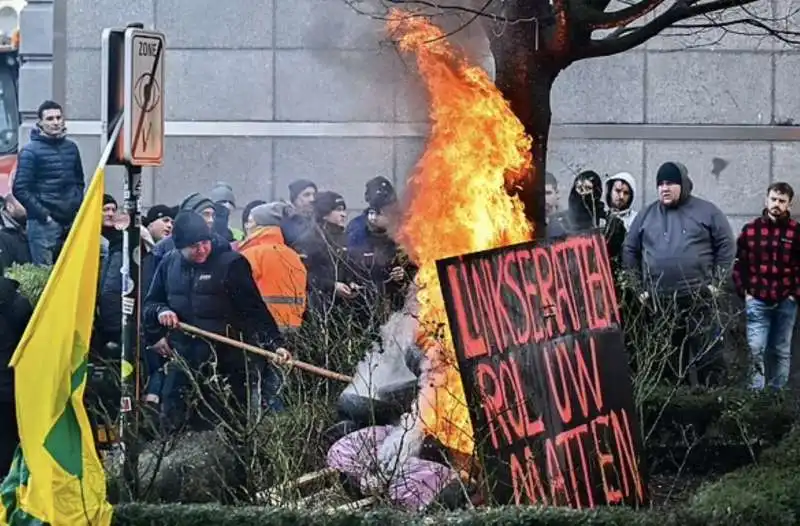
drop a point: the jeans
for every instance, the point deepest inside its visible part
(769, 335)
(45, 241)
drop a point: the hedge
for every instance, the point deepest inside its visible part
(730, 426)
(720, 413)
(208, 515)
(763, 494)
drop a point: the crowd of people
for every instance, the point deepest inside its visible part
(299, 258)
(678, 253)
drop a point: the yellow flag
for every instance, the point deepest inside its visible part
(59, 479)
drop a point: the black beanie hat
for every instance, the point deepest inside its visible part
(327, 202)
(108, 199)
(157, 212)
(297, 187)
(189, 228)
(669, 173)
(379, 193)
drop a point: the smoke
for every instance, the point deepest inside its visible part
(386, 363)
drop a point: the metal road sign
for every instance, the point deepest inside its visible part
(143, 119)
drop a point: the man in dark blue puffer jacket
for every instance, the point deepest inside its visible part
(49, 184)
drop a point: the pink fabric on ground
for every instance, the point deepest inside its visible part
(414, 485)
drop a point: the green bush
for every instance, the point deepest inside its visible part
(764, 494)
(207, 515)
(177, 515)
(32, 280)
(711, 431)
(723, 414)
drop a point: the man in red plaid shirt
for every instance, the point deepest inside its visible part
(767, 274)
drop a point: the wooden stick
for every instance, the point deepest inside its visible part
(275, 494)
(354, 506)
(304, 480)
(261, 352)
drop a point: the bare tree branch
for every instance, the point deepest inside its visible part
(681, 10)
(437, 8)
(595, 19)
(783, 35)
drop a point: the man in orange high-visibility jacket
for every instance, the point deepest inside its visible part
(277, 269)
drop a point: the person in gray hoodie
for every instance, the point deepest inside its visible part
(620, 193)
(680, 249)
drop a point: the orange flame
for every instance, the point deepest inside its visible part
(458, 203)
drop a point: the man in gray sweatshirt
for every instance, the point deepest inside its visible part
(681, 248)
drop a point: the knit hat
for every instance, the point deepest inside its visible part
(222, 192)
(189, 228)
(249, 208)
(157, 212)
(297, 187)
(108, 199)
(669, 173)
(327, 202)
(196, 203)
(379, 193)
(269, 214)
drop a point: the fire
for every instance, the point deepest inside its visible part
(457, 201)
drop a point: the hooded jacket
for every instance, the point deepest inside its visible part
(629, 213)
(584, 214)
(679, 248)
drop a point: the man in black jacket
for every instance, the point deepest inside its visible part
(15, 312)
(215, 291)
(49, 183)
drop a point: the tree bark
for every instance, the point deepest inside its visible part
(525, 76)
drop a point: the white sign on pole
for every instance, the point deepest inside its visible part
(143, 119)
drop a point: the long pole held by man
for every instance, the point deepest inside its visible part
(133, 82)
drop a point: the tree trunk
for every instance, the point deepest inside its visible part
(525, 76)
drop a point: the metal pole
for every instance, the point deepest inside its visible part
(130, 348)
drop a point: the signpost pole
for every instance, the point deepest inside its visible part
(133, 81)
(130, 349)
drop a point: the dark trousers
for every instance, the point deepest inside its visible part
(693, 327)
(9, 436)
(200, 399)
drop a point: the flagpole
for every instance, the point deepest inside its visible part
(112, 140)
